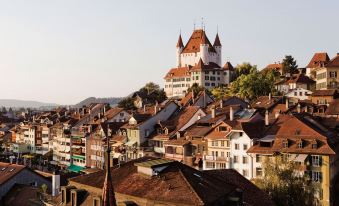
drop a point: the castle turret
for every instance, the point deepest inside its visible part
(217, 46)
(180, 47)
(204, 48)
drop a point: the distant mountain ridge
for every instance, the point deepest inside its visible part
(15, 103)
(113, 101)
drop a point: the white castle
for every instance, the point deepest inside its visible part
(197, 62)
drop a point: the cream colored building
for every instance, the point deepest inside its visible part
(327, 76)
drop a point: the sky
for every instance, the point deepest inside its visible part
(67, 50)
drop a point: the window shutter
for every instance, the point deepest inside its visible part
(320, 160)
(320, 176)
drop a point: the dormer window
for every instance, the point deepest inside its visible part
(300, 144)
(314, 144)
(297, 132)
(285, 143)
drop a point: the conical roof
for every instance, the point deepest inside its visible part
(217, 41)
(180, 44)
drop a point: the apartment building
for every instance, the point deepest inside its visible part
(327, 75)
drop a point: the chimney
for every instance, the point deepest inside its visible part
(104, 110)
(144, 108)
(269, 96)
(193, 98)
(266, 118)
(55, 183)
(287, 106)
(231, 114)
(213, 111)
(221, 103)
(276, 115)
(298, 108)
(306, 109)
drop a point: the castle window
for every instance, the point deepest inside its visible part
(285, 143)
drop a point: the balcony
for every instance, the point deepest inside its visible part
(79, 142)
(214, 158)
(78, 151)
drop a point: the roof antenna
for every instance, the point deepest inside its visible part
(202, 23)
(217, 29)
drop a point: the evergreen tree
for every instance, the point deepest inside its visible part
(289, 65)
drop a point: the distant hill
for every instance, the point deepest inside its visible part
(15, 103)
(113, 101)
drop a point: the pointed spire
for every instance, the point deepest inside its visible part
(200, 64)
(180, 44)
(204, 39)
(217, 41)
(108, 197)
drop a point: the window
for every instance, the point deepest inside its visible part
(258, 158)
(235, 159)
(227, 143)
(333, 74)
(222, 165)
(210, 165)
(240, 134)
(295, 93)
(213, 84)
(316, 176)
(245, 146)
(314, 145)
(285, 143)
(300, 93)
(227, 154)
(258, 171)
(244, 160)
(222, 154)
(236, 146)
(207, 78)
(315, 160)
(207, 84)
(222, 143)
(245, 173)
(300, 144)
(222, 129)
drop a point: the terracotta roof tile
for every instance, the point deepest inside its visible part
(197, 38)
(180, 44)
(325, 92)
(333, 62)
(318, 59)
(333, 108)
(178, 72)
(217, 41)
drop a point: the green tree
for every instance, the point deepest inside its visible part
(195, 88)
(253, 85)
(150, 87)
(127, 103)
(285, 184)
(245, 69)
(220, 92)
(289, 65)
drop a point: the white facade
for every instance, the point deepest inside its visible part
(299, 93)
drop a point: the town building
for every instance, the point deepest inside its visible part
(327, 75)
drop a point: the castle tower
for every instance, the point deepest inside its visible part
(217, 46)
(180, 47)
(204, 48)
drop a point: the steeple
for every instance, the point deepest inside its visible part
(108, 197)
(180, 44)
(217, 41)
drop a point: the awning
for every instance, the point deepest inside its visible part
(130, 143)
(300, 158)
(75, 168)
(78, 157)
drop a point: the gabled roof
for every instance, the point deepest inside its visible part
(179, 183)
(197, 38)
(300, 78)
(178, 72)
(333, 62)
(276, 66)
(318, 60)
(201, 66)
(217, 41)
(7, 171)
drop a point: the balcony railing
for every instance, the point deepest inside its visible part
(214, 158)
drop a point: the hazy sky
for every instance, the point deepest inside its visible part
(64, 51)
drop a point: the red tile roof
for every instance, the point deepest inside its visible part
(318, 59)
(178, 72)
(198, 37)
(333, 62)
(7, 171)
(300, 78)
(325, 92)
(333, 108)
(228, 66)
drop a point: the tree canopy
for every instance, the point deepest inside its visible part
(289, 65)
(220, 92)
(285, 184)
(245, 69)
(253, 84)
